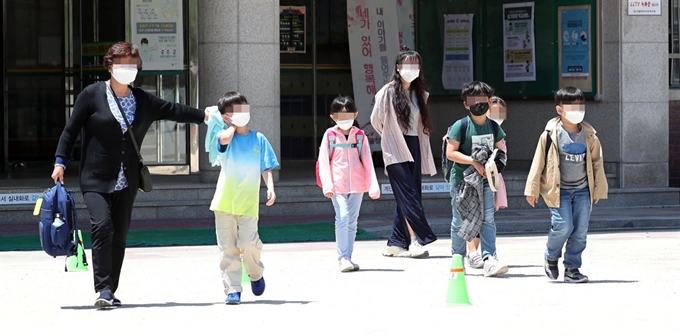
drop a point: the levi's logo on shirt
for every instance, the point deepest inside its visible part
(574, 152)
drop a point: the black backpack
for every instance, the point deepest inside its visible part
(548, 143)
(447, 164)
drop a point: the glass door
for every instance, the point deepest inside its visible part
(35, 72)
(52, 50)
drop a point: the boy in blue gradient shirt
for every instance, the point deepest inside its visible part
(244, 155)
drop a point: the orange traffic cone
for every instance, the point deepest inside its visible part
(457, 293)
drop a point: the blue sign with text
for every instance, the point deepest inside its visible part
(575, 39)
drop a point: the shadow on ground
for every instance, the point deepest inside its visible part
(276, 302)
(145, 305)
(599, 282)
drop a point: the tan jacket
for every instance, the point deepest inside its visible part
(544, 179)
(394, 149)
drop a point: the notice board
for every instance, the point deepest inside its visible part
(488, 51)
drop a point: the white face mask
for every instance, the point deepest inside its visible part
(409, 75)
(345, 124)
(124, 75)
(240, 119)
(575, 117)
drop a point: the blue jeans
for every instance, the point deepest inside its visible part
(570, 225)
(487, 232)
(347, 208)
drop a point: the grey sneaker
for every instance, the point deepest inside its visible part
(105, 299)
(356, 266)
(572, 275)
(493, 267)
(475, 260)
(417, 251)
(395, 251)
(550, 268)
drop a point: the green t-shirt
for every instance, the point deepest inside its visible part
(475, 134)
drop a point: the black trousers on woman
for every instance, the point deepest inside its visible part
(110, 216)
(405, 179)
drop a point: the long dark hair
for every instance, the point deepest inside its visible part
(344, 102)
(401, 101)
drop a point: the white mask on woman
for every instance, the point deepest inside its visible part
(124, 75)
(409, 74)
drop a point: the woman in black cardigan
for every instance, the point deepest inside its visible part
(109, 168)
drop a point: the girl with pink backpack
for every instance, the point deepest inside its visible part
(345, 172)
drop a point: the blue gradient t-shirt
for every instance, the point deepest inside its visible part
(243, 161)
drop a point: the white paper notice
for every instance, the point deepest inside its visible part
(157, 27)
(457, 68)
(518, 42)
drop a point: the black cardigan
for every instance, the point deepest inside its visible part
(105, 146)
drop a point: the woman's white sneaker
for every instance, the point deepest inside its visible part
(394, 251)
(417, 251)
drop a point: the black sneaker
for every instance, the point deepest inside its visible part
(572, 275)
(116, 302)
(551, 270)
(105, 299)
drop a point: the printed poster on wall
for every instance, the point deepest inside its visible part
(457, 68)
(406, 22)
(373, 47)
(518, 42)
(157, 28)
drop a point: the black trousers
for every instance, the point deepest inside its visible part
(405, 179)
(110, 217)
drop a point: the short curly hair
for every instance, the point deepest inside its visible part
(122, 49)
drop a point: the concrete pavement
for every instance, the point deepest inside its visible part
(177, 291)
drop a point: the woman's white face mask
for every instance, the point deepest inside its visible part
(409, 72)
(124, 74)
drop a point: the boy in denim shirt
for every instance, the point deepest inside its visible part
(567, 170)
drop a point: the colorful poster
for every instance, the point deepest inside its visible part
(292, 37)
(158, 30)
(457, 68)
(518, 42)
(373, 47)
(406, 21)
(575, 35)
